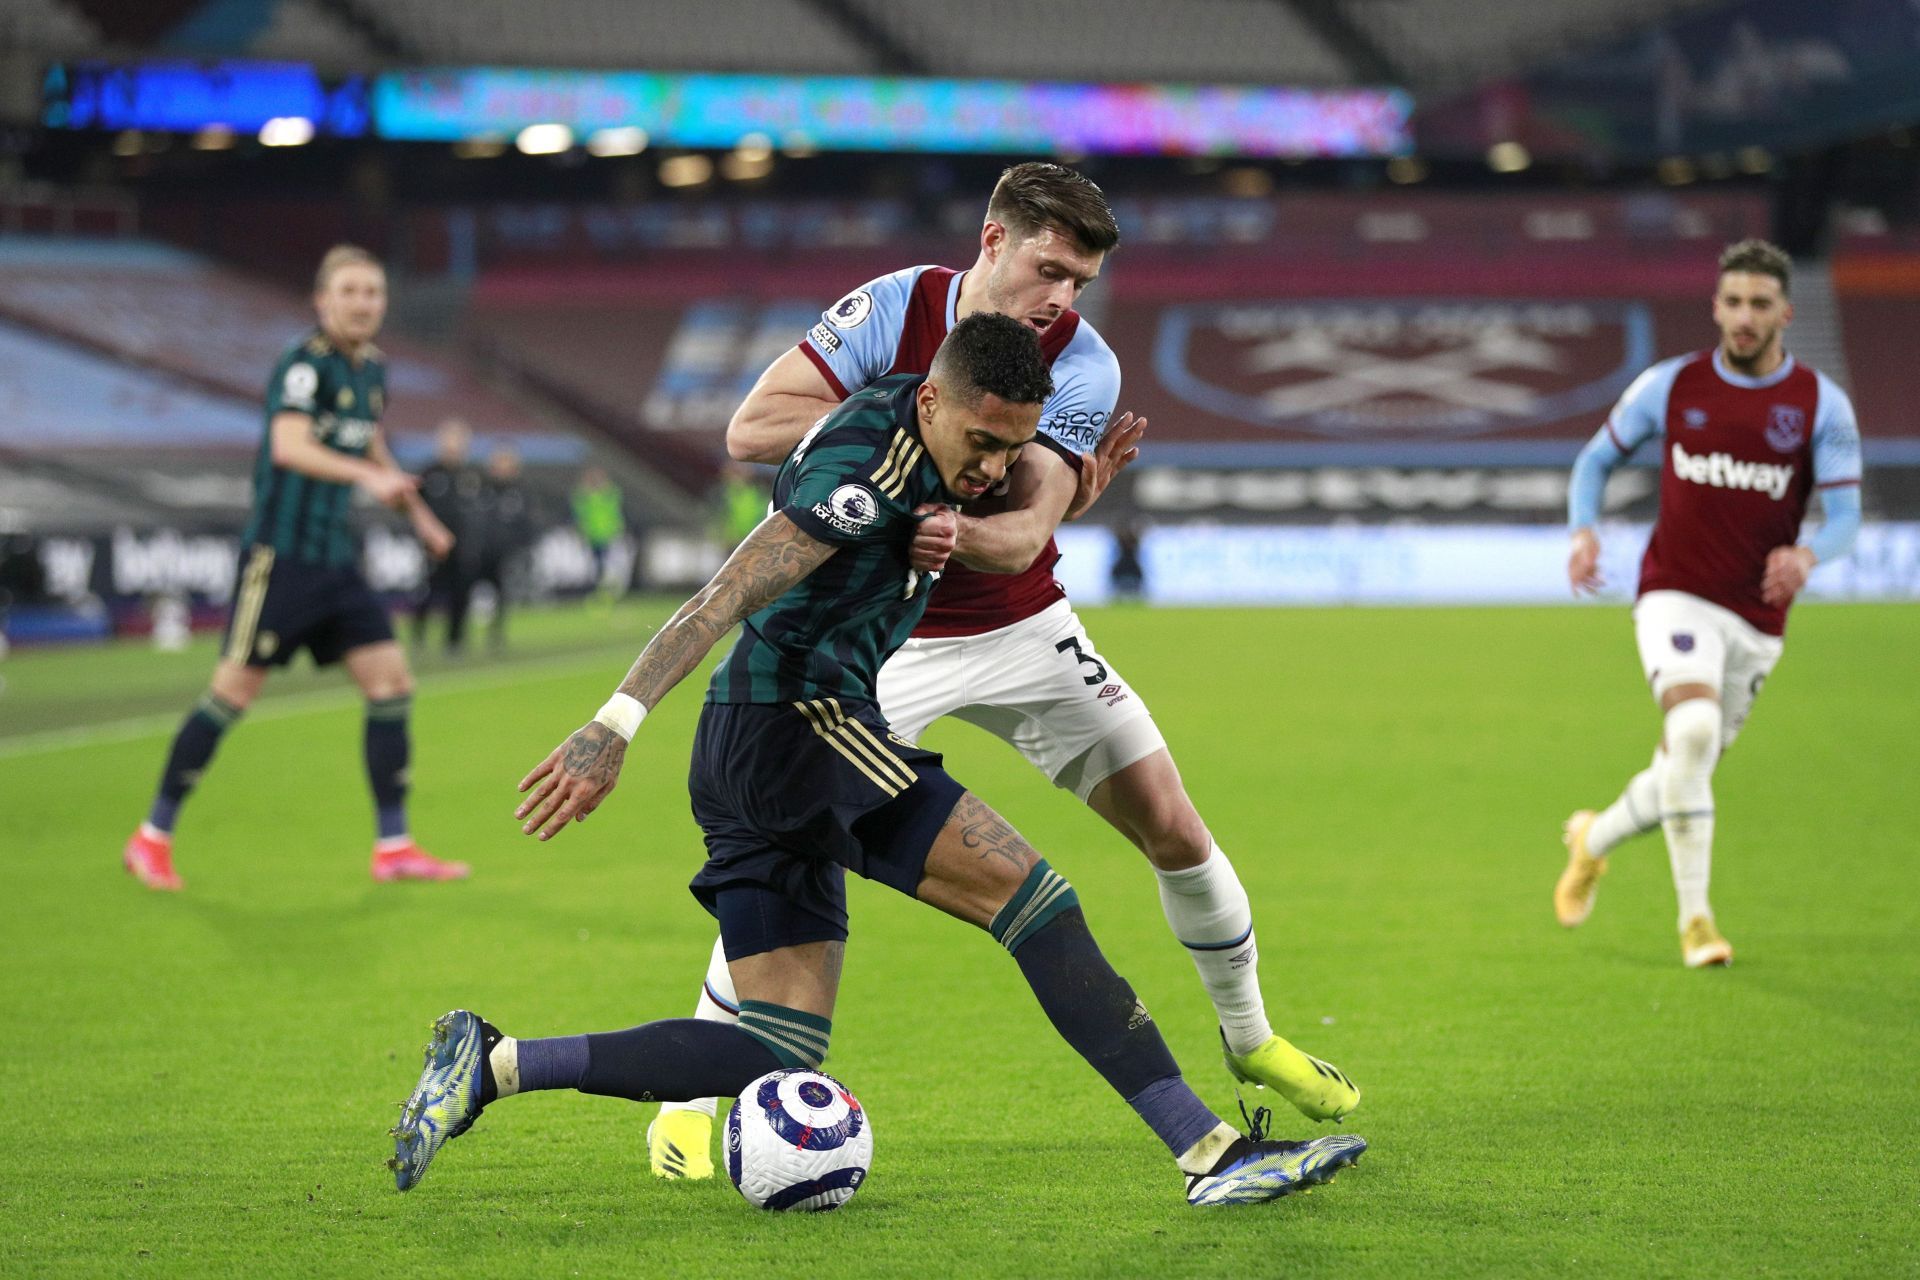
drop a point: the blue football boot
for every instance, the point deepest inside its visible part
(1256, 1168)
(455, 1084)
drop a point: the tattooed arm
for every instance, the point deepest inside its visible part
(579, 773)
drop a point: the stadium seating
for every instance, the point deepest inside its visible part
(1200, 40)
(1448, 43)
(785, 35)
(172, 313)
(45, 26)
(305, 31)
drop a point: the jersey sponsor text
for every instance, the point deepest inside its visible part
(1724, 471)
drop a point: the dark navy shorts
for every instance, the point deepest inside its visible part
(283, 606)
(791, 797)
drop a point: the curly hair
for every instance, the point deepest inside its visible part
(992, 354)
(1761, 258)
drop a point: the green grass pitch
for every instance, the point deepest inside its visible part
(199, 1085)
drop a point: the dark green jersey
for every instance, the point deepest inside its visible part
(302, 518)
(853, 481)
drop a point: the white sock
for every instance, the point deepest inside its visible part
(1686, 800)
(1206, 1153)
(719, 983)
(504, 1061)
(1636, 810)
(1208, 912)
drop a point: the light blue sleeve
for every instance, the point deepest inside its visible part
(857, 336)
(1086, 385)
(1836, 473)
(1638, 416)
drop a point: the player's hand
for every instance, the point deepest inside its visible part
(1786, 572)
(389, 485)
(934, 539)
(1119, 445)
(572, 781)
(1583, 563)
(435, 537)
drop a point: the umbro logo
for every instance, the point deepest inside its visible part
(1695, 418)
(1109, 691)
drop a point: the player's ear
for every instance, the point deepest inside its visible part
(994, 237)
(926, 400)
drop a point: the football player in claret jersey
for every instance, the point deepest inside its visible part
(299, 587)
(797, 778)
(1747, 435)
(1000, 646)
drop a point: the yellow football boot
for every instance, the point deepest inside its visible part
(1573, 896)
(1318, 1090)
(680, 1145)
(1701, 944)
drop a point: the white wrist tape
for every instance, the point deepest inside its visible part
(622, 714)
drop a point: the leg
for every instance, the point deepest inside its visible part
(1209, 912)
(380, 670)
(981, 871)
(786, 1022)
(921, 682)
(149, 852)
(1590, 836)
(1043, 687)
(1692, 743)
(1683, 644)
(1205, 904)
(459, 602)
(1635, 811)
(500, 576)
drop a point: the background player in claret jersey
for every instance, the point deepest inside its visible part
(1748, 435)
(299, 586)
(796, 778)
(1000, 645)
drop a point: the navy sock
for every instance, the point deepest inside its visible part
(1175, 1113)
(556, 1063)
(1096, 1012)
(193, 747)
(388, 749)
(674, 1060)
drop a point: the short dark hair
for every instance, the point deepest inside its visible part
(1034, 195)
(1761, 258)
(991, 354)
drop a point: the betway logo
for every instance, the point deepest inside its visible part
(1724, 471)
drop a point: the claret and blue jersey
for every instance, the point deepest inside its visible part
(854, 481)
(893, 325)
(1740, 458)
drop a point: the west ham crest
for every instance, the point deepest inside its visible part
(1786, 427)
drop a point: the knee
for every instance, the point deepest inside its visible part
(1042, 898)
(387, 688)
(235, 689)
(1693, 733)
(1172, 835)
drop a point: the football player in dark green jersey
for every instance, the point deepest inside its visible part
(299, 587)
(796, 780)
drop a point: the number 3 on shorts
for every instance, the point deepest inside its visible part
(1081, 655)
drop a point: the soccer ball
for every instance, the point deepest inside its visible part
(798, 1140)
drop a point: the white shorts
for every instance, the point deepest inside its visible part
(1039, 684)
(1686, 640)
